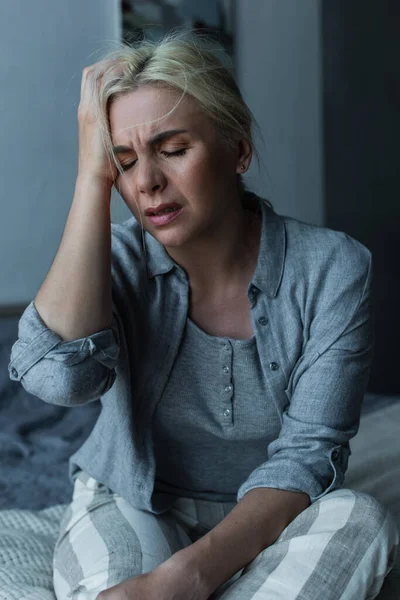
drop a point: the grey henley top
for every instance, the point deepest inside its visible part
(209, 431)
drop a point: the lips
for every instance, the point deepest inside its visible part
(166, 216)
(162, 209)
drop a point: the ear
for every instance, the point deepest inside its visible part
(244, 155)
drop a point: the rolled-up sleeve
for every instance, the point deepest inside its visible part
(67, 373)
(325, 392)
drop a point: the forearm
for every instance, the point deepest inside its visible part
(252, 525)
(75, 298)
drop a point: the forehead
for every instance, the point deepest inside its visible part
(144, 111)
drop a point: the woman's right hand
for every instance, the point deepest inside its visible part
(94, 161)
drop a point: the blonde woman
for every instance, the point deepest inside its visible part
(229, 347)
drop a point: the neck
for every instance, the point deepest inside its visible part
(224, 257)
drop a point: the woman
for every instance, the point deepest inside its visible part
(230, 348)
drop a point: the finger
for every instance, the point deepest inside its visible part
(95, 72)
(90, 82)
(87, 73)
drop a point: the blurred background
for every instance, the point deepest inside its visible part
(322, 79)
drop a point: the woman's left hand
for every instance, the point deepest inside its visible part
(169, 581)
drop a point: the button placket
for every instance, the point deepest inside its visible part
(226, 380)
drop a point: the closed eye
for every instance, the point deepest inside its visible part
(180, 152)
(128, 166)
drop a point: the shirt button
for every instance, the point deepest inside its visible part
(226, 347)
(273, 366)
(227, 412)
(263, 320)
(335, 455)
(225, 369)
(14, 372)
(228, 388)
(253, 294)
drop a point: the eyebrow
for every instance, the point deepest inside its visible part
(159, 137)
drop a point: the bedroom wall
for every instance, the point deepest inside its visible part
(44, 47)
(279, 71)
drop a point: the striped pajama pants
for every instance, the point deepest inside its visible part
(340, 548)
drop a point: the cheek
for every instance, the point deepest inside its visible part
(204, 169)
(125, 189)
(212, 176)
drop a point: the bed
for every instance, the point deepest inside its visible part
(36, 440)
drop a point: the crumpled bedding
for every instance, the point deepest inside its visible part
(27, 540)
(36, 438)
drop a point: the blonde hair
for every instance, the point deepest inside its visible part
(190, 62)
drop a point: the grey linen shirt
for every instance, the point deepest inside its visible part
(311, 311)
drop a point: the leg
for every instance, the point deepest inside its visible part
(103, 541)
(340, 548)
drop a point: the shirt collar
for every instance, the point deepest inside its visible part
(158, 261)
(270, 264)
(271, 259)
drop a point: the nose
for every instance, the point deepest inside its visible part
(150, 178)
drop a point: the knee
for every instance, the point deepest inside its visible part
(368, 510)
(374, 525)
(369, 518)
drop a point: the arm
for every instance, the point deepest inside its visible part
(75, 300)
(68, 373)
(252, 525)
(326, 387)
(196, 571)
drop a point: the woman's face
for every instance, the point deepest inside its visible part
(181, 159)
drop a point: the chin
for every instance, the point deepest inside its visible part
(170, 239)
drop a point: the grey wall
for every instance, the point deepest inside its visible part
(362, 132)
(43, 49)
(279, 72)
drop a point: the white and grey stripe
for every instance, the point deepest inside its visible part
(340, 548)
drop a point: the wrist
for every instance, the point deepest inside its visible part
(86, 178)
(189, 568)
(91, 189)
(194, 562)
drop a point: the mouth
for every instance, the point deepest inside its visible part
(162, 209)
(164, 216)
